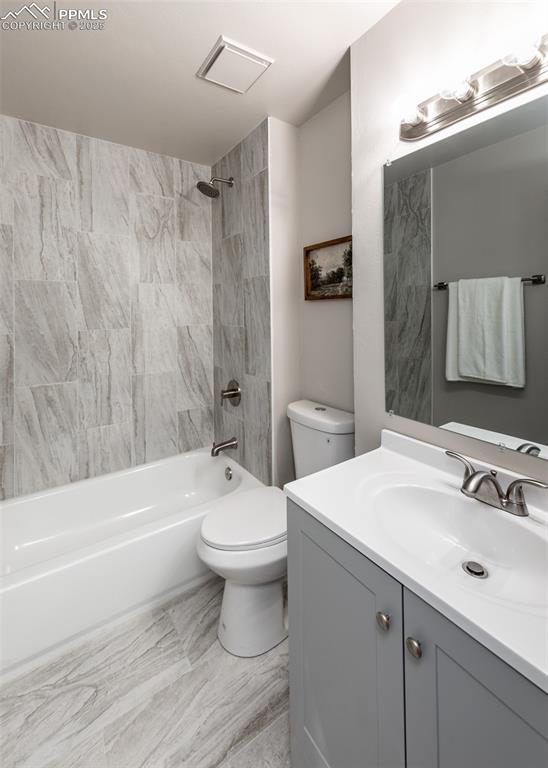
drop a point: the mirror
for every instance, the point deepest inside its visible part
(466, 348)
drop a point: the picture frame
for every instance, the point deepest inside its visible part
(328, 269)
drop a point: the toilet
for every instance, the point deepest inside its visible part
(244, 539)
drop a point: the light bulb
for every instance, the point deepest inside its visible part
(526, 57)
(460, 92)
(464, 91)
(413, 117)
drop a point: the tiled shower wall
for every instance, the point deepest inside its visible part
(407, 297)
(241, 302)
(105, 307)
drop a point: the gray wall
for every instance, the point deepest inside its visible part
(241, 302)
(325, 212)
(408, 297)
(490, 218)
(105, 307)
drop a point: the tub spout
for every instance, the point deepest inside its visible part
(218, 447)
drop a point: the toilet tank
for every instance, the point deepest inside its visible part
(321, 436)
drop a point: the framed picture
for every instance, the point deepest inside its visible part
(328, 270)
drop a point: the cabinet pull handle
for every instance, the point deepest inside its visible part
(383, 620)
(414, 647)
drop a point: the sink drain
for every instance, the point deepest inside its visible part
(475, 569)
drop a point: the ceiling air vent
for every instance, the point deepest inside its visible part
(233, 66)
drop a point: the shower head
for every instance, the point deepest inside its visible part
(209, 189)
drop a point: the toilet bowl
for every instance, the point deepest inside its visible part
(244, 540)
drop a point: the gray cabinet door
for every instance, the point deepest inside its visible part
(346, 673)
(464, 705)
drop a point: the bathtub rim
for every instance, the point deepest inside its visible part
(14, 501)
(29, 573)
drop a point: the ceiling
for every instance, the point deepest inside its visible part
(134, 81)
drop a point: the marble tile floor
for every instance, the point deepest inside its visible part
(155, 691)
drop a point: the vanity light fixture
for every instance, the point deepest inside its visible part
(520, 71)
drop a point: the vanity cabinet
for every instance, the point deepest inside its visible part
(419, 692)
(346, 672)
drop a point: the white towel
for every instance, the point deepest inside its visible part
(485, 332)
(452, 343)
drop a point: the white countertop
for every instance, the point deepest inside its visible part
(500, 612)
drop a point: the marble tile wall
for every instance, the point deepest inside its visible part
(241, 302)
(407, 297)
(106, 338)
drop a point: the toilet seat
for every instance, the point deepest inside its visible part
(249, 520)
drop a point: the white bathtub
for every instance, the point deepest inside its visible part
(74, 557)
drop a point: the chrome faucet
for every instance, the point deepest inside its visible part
(218, 447)
(484, 486)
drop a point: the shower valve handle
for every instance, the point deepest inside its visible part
(233, 393)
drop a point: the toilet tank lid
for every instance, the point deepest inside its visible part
(321, 417)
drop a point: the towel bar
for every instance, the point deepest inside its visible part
(533, 280)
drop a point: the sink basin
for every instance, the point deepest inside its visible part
(444, 529)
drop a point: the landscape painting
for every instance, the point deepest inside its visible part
(328, 270)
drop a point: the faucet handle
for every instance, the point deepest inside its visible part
(469, 468)
(530, 448)
(514, 492)
(233, 393)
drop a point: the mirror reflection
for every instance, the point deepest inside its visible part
(466, 304)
